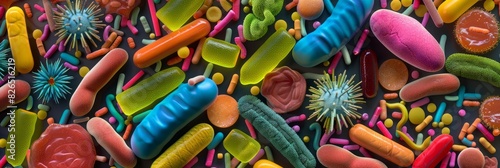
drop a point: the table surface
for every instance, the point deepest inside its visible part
(353, 69)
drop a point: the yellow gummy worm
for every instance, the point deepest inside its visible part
(404, 112)
(412, 144)
(18, 39)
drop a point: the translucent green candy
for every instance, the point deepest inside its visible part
(220, 52)
(177, 12)
(21, 128)
(145, 94)
(241, 145)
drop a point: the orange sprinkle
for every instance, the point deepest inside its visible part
(174, 60)
(101, 112)
(27, 8)
(479, 30)
(110, 40)
(496, 132)
(396, 115)
(296, 25)
(41, 48)
(463, 131)
(116, 43)
(389, 96)
(97, 53)
(232, 84)
(468, 103)
(50, 120)
(131, 42)
(383, 108)
(197, 53)
(473, 126)
(292, 4)
(128, 130)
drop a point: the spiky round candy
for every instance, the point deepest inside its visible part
(51, 82)
(76, 23)
(334, 101)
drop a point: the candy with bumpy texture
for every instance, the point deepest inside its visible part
(267, 57)
(474, 67)
(83, 98)
(436, 151)
(467, 34)
(333, 34)
(20, 135)
(380, 145)
(437, 84)
(256, 23)
(187, 147)
(450, 10)
(177, 12)
(241, 145)
(63, 146)
(274, 128)
(489, 110)
(18, 40)
(406, 38)
(113, 143)
(170, 115)
(120, 7)
(334, 156)
(284, 89)
(145, 94)
(220, 52)
(21, 92)
(470, 157)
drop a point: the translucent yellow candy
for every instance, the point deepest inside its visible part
(177, 12)
(241, 145)
(421, 10)
(24, 126)
(183, 52)
(255, 90)
(431, 107)
(220, 52)
(447, 119)
(396, 5)
(416, 115)
(218, 78)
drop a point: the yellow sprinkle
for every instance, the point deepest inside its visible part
(3, 143)
(447, 119)
(416, 115)
(183, 52)
(214, 14)
(326, 63)
(295, 16)
(407, 3)
(42, 114)
(435, 124)
(218, 78)
(431, 107)
(83, 71)
(78, 54)
(421, 10)
(280, 24)
(440, 124)
(220, 155)
(246, 9)
(489, 5)
(37, 33)
(306, 139)
(445, 130)
(388, 123)
(396, 5)
(152, 36)
(255, 90)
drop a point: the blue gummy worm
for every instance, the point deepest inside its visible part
(440, 111)
(217, 139)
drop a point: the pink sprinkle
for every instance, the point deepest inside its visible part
(334, 62)
(243, 53)
(384, 130)
(71, 67)
(431, 132)
(361, 41)
(236, 9)
(210, 157)
(364, 152)
(105, 34)
(376, 114)
(485, 132)
(61, 45)
(339, 141)
(2, 12)
(383, 3)
(425, 19)
(257, 157)
(108, 18)
(416, 3)
(3, 161)
(298, 118)
(240, 33)
(325, 138)
(296, 128)
(39, 8)
(42, 17)
(112, 120)
(152, 11)
(421, 102)
(461, 112)
(132, 27)
(51, 51)
(409, 136)
(187, 61)
(191, 163)
(133, 80)
(404, 129)
(123, 22)
(250, 129)
(453, 159)
(444, 162)
(415, 74)
(365, 116)
(316, 24)
(222, 23)
(351, 147)
(46, 32)
(234, 162)
(396, 115)
(431, 9)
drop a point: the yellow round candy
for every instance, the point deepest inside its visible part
(152, 36)
(78, 54)
(447, 118)
(218, 78)
(489, 5)
(280, 24)
(421, 10)
(295, 16)
(83, 71)
(406, 3)
(220, 155)
(431, 107)
(326, 63)
(435, 124)
(246, 9)
(255, 90)
(445, 130)
(440, 124)
(416, 115)
(388, 123)
(183, 52)
(3, 143)
(396, 5)
(37, 33)
(306, 139)
(214, 14)
(42, 114)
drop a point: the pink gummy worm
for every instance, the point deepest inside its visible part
(210, 157)
(351, 147)
(420, 102)
(222, 23)
(191, 163)
(46, 32)
(61, 45)
(51, 51)
(42, 17)
(187, 61)
(325, 138)
(375, 115)
(384, 130)
(334, 62)
(453, 159)
(364, 152)
(250, 129)
(105, 34)
(71, 67)
(444, 162)
(132, 27)
(297, 118)
(240, 33)
(361, 41)
(339, 141)
(243, 53)
(152, 11)
(236, 9)
(485, 132)
(257, 157)
(133, 80)
(39, 8)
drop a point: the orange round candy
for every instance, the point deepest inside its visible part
(477, 31)
(223, 113)
(489, 110)
(393, 74)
